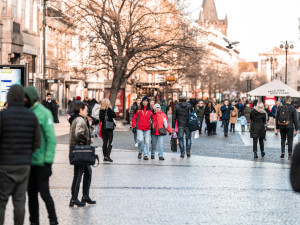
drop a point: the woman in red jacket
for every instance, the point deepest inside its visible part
(141, 125)
(161, 125)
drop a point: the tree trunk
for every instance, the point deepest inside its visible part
(115, 87)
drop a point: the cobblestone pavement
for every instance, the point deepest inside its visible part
(220, 187)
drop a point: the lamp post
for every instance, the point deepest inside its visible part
(43, 85)
(286, 45)
(272, 61)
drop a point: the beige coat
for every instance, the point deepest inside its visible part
(80, 132)
(233, 119)
(218, 110)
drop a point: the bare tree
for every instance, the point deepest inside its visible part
(127, 35)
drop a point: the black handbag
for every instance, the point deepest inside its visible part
(82, 155)
(109, 125)
(173, 143)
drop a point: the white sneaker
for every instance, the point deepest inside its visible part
(136, 145)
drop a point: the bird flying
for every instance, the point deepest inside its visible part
(230, 44)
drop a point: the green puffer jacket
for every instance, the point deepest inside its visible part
(200, 113)
(45, 154)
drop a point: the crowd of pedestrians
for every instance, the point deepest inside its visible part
(28, 142)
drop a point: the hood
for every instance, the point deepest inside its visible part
(32, 94)
(73, 117)
(258, 110)
(15, 94)
(183, 104)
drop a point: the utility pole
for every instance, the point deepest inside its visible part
(43, 89)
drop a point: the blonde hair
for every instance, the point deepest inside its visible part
(105, 104)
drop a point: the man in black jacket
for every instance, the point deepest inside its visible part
(51, 104)
(180, 114)
(286, 121)
(20, 135)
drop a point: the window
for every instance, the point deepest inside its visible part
(3, 8)
(14, 9)
(27, 14)
(34, 20)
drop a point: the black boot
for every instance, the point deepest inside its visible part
(233, 125)
(263, 154)
(105, 150)
(88, 200)
(255, 155)
(76, 202)
(108, 153)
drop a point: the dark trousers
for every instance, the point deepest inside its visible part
(232, 127)
(214, 127)
(200, 127)
(39, 183)
(209, 126)
(87, 178)
(225, 124)
(287, 133)
(14, 182)
(261, 144)
(107, 137)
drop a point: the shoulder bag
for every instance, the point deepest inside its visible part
(109, 125)
(162, 131)
(82, 155)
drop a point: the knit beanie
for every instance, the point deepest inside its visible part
(145, 98)
(78, 98)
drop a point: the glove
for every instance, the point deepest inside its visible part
(48, 169)
(170, 134)
(134, 130)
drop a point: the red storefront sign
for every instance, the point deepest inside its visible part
(119, 101)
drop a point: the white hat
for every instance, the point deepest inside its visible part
(156, 106)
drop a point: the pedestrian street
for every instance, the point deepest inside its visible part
(196, 190)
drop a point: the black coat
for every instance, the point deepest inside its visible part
(180, 114)
(293, 118)
(208, 111)
(20, 135)
(52, 106)
(110, 114)
(295, 169)
(258, 121)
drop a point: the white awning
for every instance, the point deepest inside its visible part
(275, 88)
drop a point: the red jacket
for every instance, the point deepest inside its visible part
(143, 116)
(158, 122)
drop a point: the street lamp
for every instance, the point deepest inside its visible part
(272, 61)
(286, 45)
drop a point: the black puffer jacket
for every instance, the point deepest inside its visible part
(180, 114)
(258, 120)
(20, 132)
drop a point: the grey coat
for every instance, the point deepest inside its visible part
(80, 133)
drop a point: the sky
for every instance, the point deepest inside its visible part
(259, 25)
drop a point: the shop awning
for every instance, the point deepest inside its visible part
(275, 88)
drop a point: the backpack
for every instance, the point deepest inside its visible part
(96, 111)
(283, 119)
(193, 122)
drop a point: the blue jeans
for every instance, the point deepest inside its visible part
(144, 139)
(158, 139)
(181, 132)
